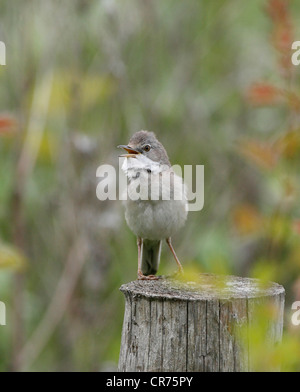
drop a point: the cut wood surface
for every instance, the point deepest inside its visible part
(197, 326)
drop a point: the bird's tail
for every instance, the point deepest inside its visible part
(150, 257)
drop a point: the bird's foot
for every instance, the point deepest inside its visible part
(141, 276)
(178, 274)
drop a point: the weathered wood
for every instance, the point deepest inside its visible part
(198, 327)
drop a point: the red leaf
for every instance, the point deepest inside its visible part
(263, 94)
(7, 124)
(296, 226)
(283, 38)
(278, 10)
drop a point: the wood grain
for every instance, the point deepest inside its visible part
(196, 326)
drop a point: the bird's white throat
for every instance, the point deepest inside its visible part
(141, 162)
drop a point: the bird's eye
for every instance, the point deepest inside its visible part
(147, 147)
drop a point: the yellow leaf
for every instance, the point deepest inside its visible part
(278, 229)
(266, 271)
(247, 219)
(289, 144)
(262, 154)
(94, 88)
(87, 90)
(48, 147)
(11, 258)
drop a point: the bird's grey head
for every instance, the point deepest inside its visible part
(146, 143)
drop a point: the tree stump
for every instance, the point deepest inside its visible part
(202, 326)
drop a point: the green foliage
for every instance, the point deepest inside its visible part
(212, 80)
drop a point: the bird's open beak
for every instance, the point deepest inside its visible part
(132, 153)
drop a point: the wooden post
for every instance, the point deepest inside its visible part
(197, 327)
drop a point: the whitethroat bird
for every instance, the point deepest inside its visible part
(160, 208)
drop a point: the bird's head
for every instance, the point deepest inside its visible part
(146, 143)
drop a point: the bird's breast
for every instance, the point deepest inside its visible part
(155, 207)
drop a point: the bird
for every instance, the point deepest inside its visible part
(161, 208)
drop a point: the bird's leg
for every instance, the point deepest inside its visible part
(139, 245)
(180, 268)
(141, 276)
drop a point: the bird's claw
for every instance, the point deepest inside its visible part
(147, 277)
(178, 274)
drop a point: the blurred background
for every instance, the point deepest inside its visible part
(214, 80)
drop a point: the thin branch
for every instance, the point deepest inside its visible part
(58, 306)
(24, 167)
